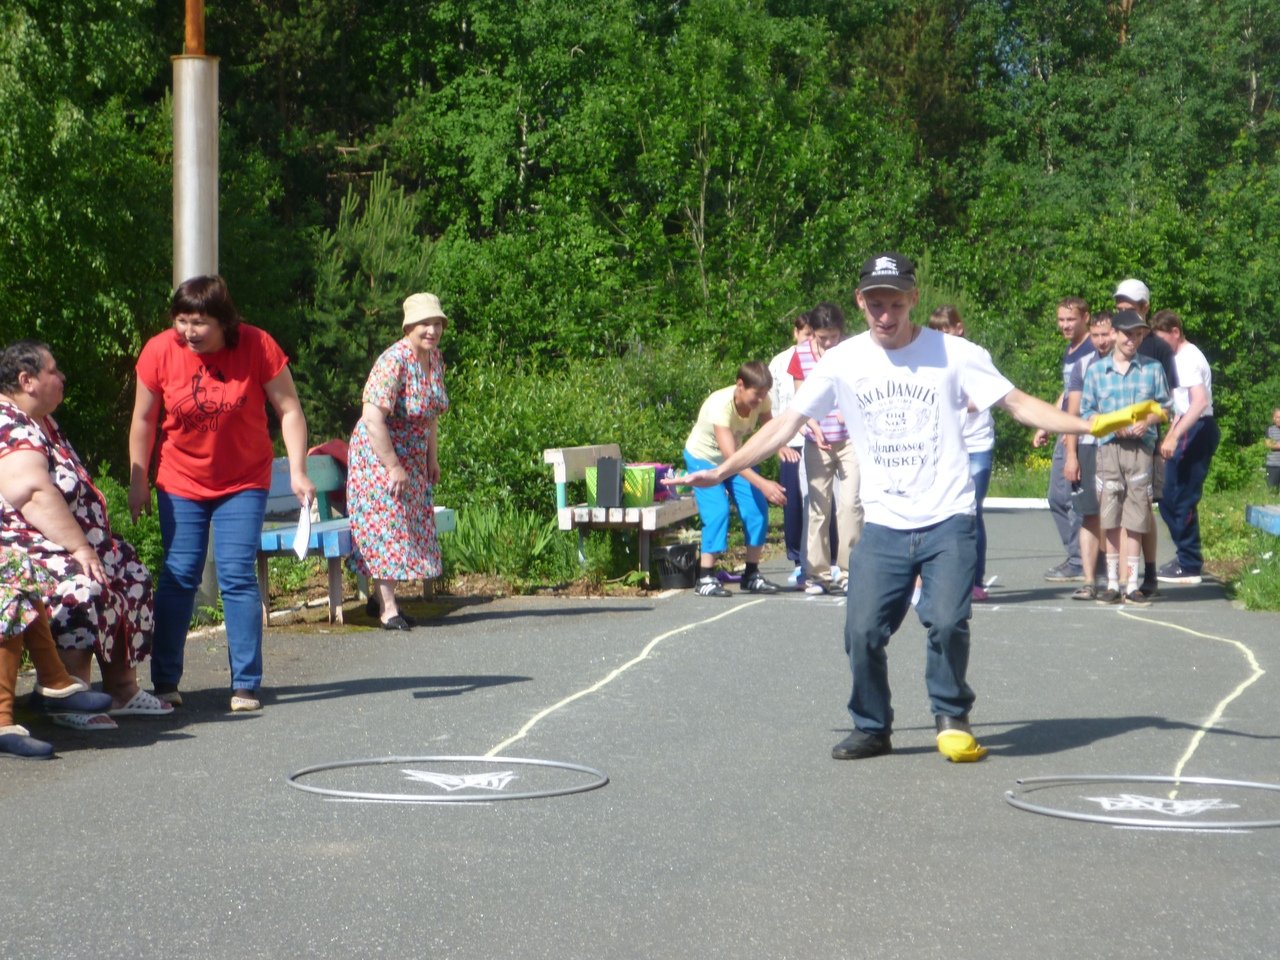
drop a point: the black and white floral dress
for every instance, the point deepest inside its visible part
(114, 618)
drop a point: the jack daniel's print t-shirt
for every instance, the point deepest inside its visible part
(213, 438)
(906, 411)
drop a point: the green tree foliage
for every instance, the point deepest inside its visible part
(84, 195)
(620, 201)
(365, 267)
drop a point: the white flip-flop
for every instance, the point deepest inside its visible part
(84, 721)
(143, 704)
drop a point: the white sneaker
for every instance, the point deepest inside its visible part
(815, 588)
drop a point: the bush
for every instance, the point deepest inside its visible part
(500, 539)
(503, 416)
(144, 536)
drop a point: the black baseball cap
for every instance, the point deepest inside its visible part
(1128, 320)
(889, 269)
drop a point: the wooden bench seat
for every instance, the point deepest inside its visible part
(571, 463)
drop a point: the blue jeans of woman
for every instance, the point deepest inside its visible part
(236, 521)
(980, 472)
(882, 576)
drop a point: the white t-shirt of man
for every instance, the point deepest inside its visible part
(906, 410)
(1193, 371)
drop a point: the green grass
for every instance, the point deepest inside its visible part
(1246, 558)
(1030, 479)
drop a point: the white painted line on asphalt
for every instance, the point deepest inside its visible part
(613, 674)
(1218, 711)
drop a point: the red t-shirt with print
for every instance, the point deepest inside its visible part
(214, 438)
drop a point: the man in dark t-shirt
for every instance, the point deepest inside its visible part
(1073, 324)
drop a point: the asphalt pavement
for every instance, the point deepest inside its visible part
(725, 829)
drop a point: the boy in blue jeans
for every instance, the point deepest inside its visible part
(725, 419)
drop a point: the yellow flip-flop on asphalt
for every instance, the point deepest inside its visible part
(960, 747)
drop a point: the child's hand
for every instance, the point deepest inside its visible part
(774, 493)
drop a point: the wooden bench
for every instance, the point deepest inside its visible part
(330, 534)
(1264, 518)
(571, 463)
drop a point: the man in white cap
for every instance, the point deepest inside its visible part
(1133, 294)
(904, 392)
(1188, 449)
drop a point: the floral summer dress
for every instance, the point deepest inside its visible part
(396, 539)
(84, 614)
(19, 593)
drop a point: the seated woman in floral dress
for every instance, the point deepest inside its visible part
(97, 592)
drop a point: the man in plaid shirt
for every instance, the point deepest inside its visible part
(1126, 458)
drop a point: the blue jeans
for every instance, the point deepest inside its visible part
(793, 512)
(980, 472)
(1064, 517)
(236, 520)
(1184, 475)
(882, 575)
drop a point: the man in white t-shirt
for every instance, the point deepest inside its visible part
(1188, 450)
(904, 392)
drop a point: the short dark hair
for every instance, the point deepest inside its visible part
(944, 317)
(827, 316)
(209, 296)
(1100, 317)
(21, 356)
(802, 320)
(1077, 304)
(755, 374)
(1166, 321)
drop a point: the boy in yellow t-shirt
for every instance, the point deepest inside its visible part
(724, 421)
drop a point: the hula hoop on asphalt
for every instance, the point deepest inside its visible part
(599, 780)
(1014, 800)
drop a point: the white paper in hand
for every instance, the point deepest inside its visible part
(302, 536)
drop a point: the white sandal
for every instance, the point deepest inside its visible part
(84, 721)
(142, 704)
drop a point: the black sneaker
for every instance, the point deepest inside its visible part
(860, 745)
(1172, 573)
(710, 587)
(758, 584)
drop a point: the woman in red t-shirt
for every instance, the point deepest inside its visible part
(212, 375)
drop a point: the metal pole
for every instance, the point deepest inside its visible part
(195, 167)
(194, 42)
(195, 186)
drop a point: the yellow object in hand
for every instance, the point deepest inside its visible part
(1105, 423)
